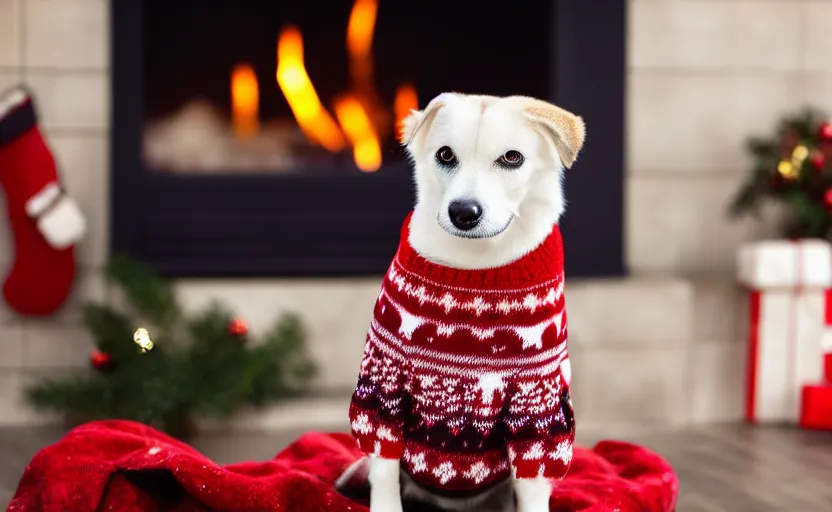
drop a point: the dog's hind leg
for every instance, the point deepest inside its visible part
(532, 494)
(385, 487)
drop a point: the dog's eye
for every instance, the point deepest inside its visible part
(445, 157)
(511, 159)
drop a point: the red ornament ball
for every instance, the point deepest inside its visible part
(238, 327)
(100, 360)
(818, 161)
(827, 198)
(825, 132)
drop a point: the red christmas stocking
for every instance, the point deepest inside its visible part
(45, 222)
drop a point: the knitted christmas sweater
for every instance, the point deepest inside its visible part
(465, 373)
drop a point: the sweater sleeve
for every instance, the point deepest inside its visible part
(541, 423)
(376, 410)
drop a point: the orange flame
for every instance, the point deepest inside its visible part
(406, 100)
(245, 101)
(356, 124)
(361, 26)
(310, 114)
(356, 112)
(362, 119)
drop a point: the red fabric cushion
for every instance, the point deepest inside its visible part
(125, 466)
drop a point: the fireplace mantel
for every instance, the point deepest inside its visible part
(261, 225)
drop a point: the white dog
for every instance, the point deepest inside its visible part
(489, 177)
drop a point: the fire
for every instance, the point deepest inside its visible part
(361, 119)
(406, 100)
(360, 31)
(366, 148)
(245, 101)
(361, 27)
(310, 114)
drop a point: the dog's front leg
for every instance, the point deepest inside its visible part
(385, 485)
(532, 494)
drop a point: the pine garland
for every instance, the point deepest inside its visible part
(793, 167)
(201, 365)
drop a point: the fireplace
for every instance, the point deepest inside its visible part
(258, 138)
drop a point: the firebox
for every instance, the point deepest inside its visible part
(260, 138)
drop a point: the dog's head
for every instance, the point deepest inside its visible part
(487, 166)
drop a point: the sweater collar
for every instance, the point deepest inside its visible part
(541, 265)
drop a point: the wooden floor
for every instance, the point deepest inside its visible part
(721, 469)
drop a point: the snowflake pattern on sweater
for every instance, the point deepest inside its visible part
(465, 374)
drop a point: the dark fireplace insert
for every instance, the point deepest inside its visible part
(258, 138)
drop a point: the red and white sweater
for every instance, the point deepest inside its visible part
(465, 373)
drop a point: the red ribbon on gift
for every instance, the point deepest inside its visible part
(753, 340)
(816, 401)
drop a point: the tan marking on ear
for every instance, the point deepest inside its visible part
(567, 130)
(418, 119)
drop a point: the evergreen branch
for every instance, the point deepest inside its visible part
(808, 213)
(805, 182)
(149, 295)
(112, 330)
(762, 148)
(198, 366)
(744, 201)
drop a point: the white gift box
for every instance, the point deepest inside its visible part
(788, 282)
(785, 264)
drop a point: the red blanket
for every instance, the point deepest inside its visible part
(125, 466)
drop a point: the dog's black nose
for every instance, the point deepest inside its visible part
(465, 213)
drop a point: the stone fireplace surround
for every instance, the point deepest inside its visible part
(662, 347)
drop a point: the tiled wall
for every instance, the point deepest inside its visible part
(703, 75)
(60, 48)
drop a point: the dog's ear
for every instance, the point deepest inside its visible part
(566, 130)
(417, 119)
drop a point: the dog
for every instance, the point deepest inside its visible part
(489, 192)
